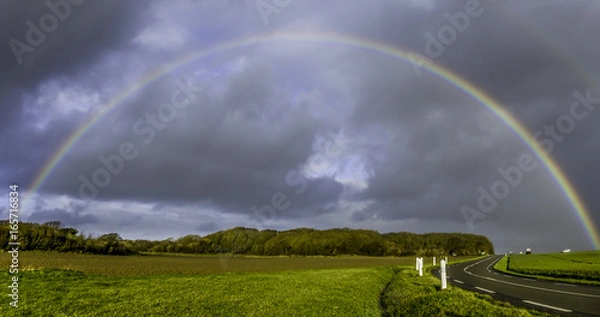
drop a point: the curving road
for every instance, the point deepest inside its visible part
(552, 297)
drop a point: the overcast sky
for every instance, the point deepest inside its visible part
(285, 134)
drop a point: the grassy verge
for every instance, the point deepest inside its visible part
(577, 268)
(411, 295)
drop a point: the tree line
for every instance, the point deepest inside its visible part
(51, 236)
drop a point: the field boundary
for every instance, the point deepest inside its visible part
(382, 303)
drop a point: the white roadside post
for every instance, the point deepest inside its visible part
(434, 261)
(421, 267)
(443, 273)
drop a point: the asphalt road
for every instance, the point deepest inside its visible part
(552, 297)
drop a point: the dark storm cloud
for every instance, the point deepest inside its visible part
(65, 217)
(207, 227)
(415, 149)
(234, 153)
(84, 33)
(72, 215)
(519, 70)
(522, 58)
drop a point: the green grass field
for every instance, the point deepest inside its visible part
(197, 286)
(577, 267)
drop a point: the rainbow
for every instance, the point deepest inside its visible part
(332, 38)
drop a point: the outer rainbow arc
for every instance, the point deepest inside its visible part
(536, 32)
(333, 38)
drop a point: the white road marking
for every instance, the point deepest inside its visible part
(484, 290)
(564, 284)
(522, 285)
(488, 267)
(529, 279)
(459, 282)
(547, 306)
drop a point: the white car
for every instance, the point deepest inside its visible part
(566, 250)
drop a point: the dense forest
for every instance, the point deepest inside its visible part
(51, 236)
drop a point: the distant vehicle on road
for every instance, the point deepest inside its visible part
(566, 250)
(528, 251)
